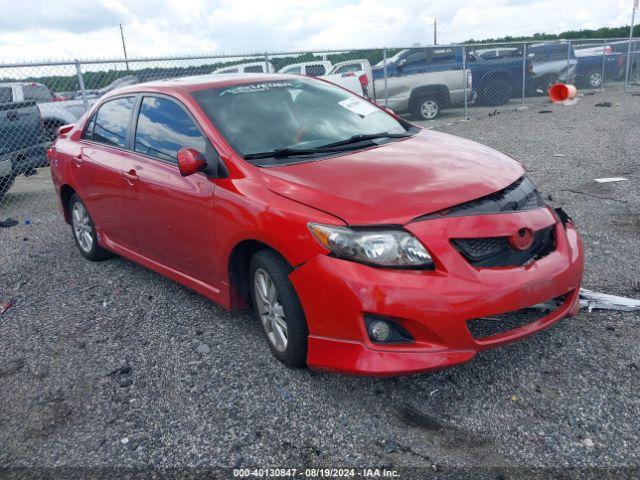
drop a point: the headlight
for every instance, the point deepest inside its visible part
(387, 248)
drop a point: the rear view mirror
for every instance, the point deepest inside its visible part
(190, 161)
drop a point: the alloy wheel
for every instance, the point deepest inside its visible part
(270, 310)
(595, 79)
(82, 227)
(429, 109)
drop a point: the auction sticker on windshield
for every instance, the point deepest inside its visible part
(358, 106)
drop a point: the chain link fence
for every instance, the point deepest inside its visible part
(430, 84)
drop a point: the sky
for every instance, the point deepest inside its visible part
(33, 30)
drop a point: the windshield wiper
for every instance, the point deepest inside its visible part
(361, 137)
(330, 147)
(283, 152)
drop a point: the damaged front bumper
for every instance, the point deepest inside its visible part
(435, 306)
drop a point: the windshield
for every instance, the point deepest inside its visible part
(393, 59)
(291, 114)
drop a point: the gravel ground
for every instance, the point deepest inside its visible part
(110, 365)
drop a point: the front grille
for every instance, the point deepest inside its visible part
(492, 252)
(496, 324)
(520, 195)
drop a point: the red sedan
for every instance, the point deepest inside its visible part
(364, 243)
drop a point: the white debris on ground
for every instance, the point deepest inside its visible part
(596, 301)
(603, 301)
(610, 179)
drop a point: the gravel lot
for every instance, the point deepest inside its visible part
(101, 363)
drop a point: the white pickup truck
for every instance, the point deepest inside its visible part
(53, 111)
(354, 75)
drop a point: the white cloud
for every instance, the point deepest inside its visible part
(39, 29)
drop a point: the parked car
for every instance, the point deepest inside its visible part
(92, 94)
(553, 62)
(425, 95)
(590, 65)
(622, 47)
(495, 81)
(252, 67)
(22, 139)
(54, 111)
(364, 243)
(354, 75)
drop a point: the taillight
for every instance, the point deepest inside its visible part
(469, 80)
(530, 67)
(64, 129)
(608, 50)
(364, 80)
(620, 60)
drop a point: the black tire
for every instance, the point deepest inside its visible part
(295, 354)
(96, 253)
(593, 79)
(6, 183)
(496, 92)
(425, 107)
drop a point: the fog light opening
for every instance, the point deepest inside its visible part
(383, 330)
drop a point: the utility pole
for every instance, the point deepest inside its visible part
(629, 57)
(124, 48)
(435, 31)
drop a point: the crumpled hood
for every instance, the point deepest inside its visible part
(396, 182)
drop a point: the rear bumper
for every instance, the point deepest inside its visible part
(23, 160)
(433, 306)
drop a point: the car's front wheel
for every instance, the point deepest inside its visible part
(84, 231)
(278, 308)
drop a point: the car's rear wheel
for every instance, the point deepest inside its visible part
(425, 108)
(6, 183)
(278, 308)
(84, 231)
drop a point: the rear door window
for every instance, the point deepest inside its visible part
(254, 69)
(112, 122)
(163, 128)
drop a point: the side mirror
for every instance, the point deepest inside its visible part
(190, 161)
(401, 63)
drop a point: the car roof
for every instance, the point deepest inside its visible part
(201, 82)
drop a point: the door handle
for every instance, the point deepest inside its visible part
(78, 160)
(131, 176)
